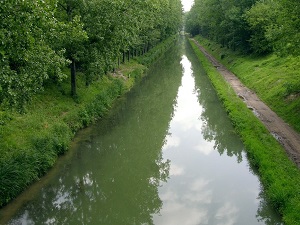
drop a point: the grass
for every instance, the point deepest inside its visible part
(31, 142)
(279, 176)
(276, 80)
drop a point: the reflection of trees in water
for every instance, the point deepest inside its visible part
(216, 128)
(87, 199)
(264, 212)
(114, 176)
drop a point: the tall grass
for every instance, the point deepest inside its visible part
(32, 142)
(279, 176)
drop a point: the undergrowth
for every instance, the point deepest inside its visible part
(279, 176)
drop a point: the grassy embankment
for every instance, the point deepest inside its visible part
(280, 177)
(30, 143)
(276, 80)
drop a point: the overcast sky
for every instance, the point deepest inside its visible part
(187, 4)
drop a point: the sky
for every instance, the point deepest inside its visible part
(187, 4)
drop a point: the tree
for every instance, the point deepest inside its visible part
(285, 32)
(260, 18)
(275, 26)
(27, 59)
(38, 38)
(72, 35)
(221, 21)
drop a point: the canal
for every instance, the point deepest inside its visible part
(166, 154)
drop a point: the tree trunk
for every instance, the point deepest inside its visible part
(73, 78)
(123, 61)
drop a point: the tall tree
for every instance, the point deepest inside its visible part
(222, 21)
(260, 18)
(72, 35)
(27, 58)
(276, 26)
(285, 32)
(38, 38)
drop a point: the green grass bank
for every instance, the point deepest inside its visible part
(276, 80)
(279, 176)
(31, 142)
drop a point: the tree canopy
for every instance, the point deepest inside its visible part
(259, 26)
(40, 38)
(27, 58)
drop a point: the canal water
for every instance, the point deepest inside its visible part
(167, 154)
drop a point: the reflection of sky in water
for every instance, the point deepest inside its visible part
(188, 111)
(204, 187)
(112, 177)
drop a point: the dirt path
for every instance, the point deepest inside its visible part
(287, 137)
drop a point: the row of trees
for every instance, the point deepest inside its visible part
(259, 26)
(41, 37)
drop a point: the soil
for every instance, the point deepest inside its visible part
(285, 135)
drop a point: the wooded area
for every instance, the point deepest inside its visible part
(259, 26)
(41, 38)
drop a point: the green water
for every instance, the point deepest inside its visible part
(167, 155)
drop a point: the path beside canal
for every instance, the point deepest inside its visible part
(285, 135)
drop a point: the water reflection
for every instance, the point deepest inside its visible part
(218, 129)
(114, 173)
(215, 129)
(157, 159)
(209, 181)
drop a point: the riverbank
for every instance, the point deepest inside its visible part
(280, 177)
(276, 80)
(31, 142)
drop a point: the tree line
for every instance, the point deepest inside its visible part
(259, 26)
(39, 38)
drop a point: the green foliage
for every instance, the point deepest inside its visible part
(260, 26)
(279, 176)
(39, 38)
(27, 58)
(285, 31)
(259, 18)
(4, 117)
(221, 21)
(275, 26)
(126, 26)
(154, 53)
